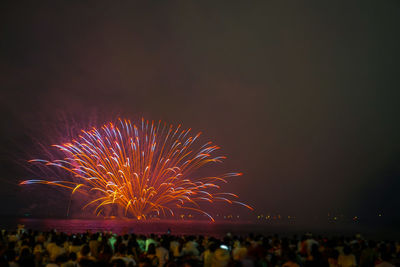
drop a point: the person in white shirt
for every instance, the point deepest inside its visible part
(209, 253)
(239, 251)
(221, 258)
(174, 247)
(55, 249)
(162, 253)
(190, 248)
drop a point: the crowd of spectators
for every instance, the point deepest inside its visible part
(51, 249)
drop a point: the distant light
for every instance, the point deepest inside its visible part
(380, 215)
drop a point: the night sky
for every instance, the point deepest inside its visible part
(303, 96)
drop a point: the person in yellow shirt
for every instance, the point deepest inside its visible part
(347, 259)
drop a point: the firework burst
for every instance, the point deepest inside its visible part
(145, 168)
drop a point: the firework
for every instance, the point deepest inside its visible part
(145, 168)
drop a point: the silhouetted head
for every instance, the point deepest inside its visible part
(72, 256)
(122, 249)
(291, 256)
(152, 249)
(347, 250)
(85, 250)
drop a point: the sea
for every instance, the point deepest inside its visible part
(206, 228)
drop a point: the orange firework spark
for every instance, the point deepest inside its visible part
(144, 169)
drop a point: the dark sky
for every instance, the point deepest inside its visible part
(303, 96)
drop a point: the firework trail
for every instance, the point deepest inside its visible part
(146, 168)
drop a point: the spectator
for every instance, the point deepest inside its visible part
(347, 259)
